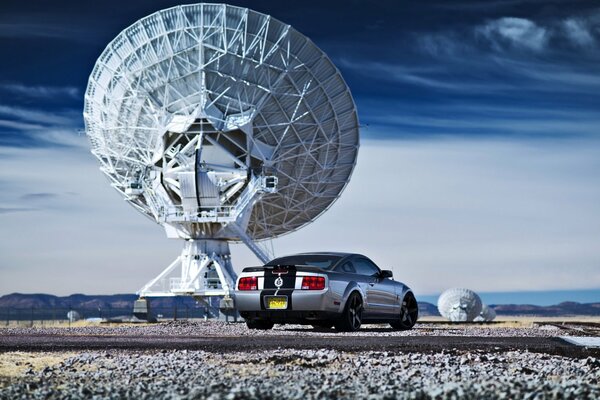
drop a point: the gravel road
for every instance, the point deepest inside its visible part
(276, 368)
(217, 328)
(310, 374)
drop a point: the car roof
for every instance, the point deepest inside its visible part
(324, 253)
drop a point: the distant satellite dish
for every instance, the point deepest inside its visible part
(487, 314)
(459, 305)
(221, 124)
(73, 316)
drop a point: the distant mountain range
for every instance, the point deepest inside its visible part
(123, 303)
(26, 301)
(559, 310)
(17, 306)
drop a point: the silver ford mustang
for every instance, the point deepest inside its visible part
(323, 289)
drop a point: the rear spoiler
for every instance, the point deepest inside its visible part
(284, 268)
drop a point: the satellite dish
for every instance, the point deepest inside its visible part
(73, 316)
(223, 125)
(459, 305)
(487, 314)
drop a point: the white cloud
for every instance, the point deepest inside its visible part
(431, 76)
(40, 117)
(448, 44)
(516, 32)
(552, 77)
(21, 126)
(578, 32)
(18, 27)
(502, 121)
(462, 75)
(45, 127)
(44, 92)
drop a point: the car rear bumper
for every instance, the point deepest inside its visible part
(290, 317)
(299, 301)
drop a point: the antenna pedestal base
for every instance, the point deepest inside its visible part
(203, 269)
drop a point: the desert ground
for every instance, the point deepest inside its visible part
(511, 358)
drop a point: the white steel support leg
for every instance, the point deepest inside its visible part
(147, 289)
(223, 276)
(262, 253)
(193, 279)
(199, 260)
(193, 261)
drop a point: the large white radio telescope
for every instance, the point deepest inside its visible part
(459, 305)
(222, 124)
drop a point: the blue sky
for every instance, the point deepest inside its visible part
(480, 148)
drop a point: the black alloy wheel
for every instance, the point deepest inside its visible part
(409, 312)
(259, 324)
(351, 318)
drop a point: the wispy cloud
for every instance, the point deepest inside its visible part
(34, 127)
(43, 92)
(38, 30)
(492, 126)
(554, 77)
(579, 32)
(37, 116)
(21, 126)
(485, 5)
(11, 210)
(517, 36)
(433, 77)
(551, 62)
(447, 44)
(491, 74)
(506, 33)
(515, 32)
(39, 196)
(393, 119)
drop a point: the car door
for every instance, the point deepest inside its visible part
(381, 293)
(363, 280)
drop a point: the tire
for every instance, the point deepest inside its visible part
(351, 317)
(259, 324)
(409, 312)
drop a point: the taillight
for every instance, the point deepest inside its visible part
(313, 283)
(248, 283)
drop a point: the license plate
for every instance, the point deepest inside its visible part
(276, 302)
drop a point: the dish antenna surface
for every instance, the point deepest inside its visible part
(223, 125)
(487, 314)
(459, 305)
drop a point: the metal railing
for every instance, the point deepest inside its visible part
(222, 213)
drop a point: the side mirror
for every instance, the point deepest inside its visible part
(386, 273)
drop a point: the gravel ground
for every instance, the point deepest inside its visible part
(296, 373)
(308, 374)
(217, 328)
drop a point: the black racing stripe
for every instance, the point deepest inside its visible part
(288, 276)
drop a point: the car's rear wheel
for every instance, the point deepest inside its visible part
(351, 318)
(259, 324)
(409, 312)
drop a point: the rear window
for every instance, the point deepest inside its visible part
(317, 260)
